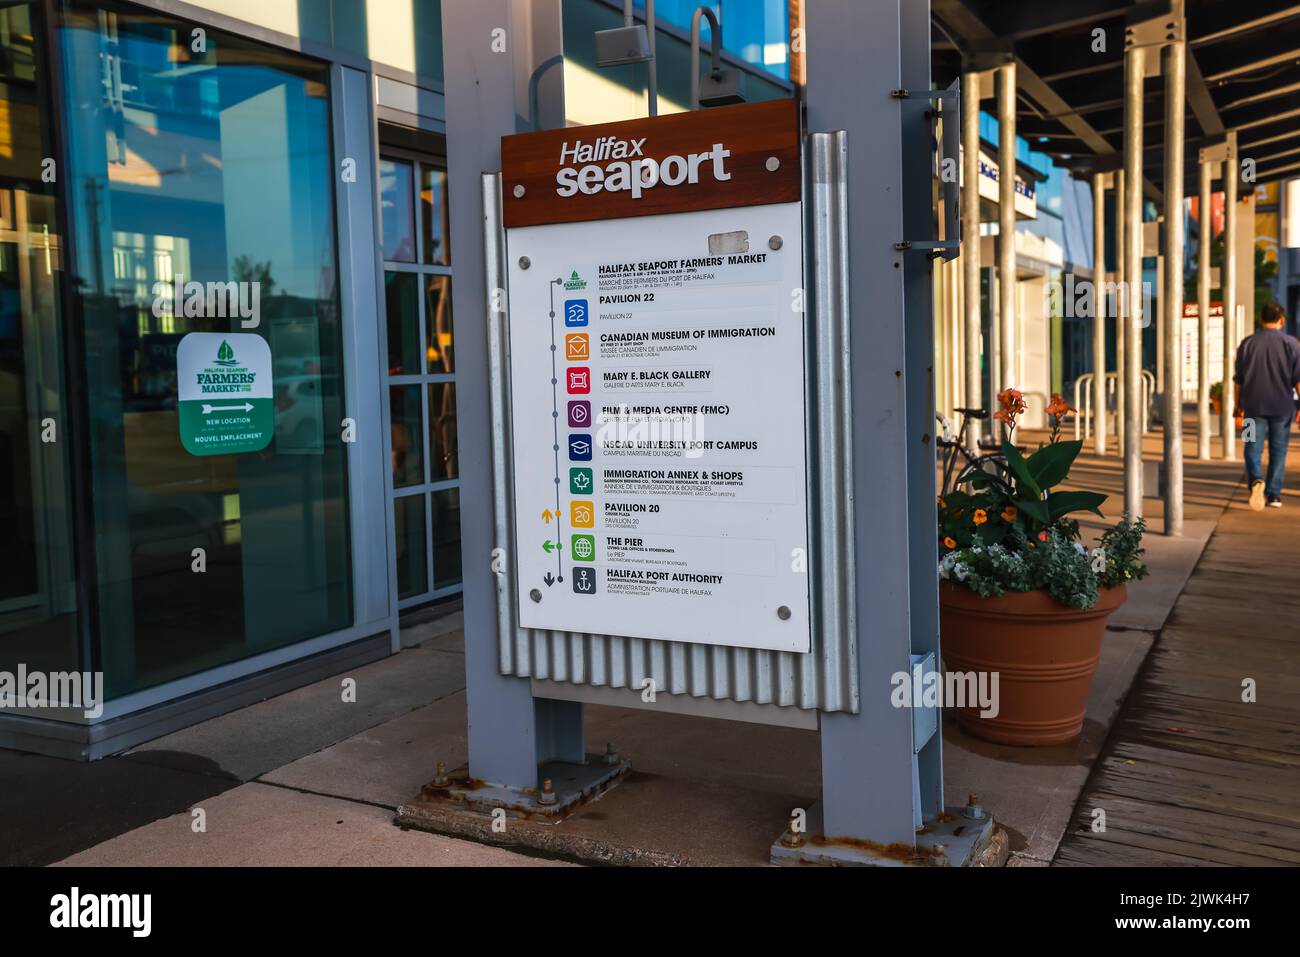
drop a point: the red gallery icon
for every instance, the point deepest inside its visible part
(579, 380)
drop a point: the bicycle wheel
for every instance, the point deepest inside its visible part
(984, 465)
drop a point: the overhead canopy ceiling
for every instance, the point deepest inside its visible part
(1243, 74)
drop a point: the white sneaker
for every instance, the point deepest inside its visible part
(1257, 495)
(1275, 503)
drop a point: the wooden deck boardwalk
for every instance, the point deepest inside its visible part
(1192, 774)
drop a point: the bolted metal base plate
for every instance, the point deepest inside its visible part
(573, 785)
(952, 841)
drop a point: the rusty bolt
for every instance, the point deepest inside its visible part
(792, 836)
(548, 793)
(440, 778)
(973, 811)
(612, 756)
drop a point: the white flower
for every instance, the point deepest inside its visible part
(1078, 547)
(960, 571)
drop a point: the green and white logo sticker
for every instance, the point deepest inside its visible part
(226, 405)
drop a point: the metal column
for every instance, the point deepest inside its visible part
(1175, 57)
(970, 241)
(1120, 303)
(1203, 312)
(1228, 283)
(1133, 319)
(857, 52)
(486, 94)
(1098, 312)
(1006, 83)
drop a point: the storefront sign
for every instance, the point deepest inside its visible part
(657, 378)
(224, 390)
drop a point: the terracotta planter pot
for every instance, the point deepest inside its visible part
(1044, 653)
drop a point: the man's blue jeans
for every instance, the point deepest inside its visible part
(1276, 431)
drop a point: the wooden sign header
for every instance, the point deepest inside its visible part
(706, 159)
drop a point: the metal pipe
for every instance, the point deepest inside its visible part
(715, 38)
(1175, 57)
(1007, 223)
(1098, 311)
(1203, 315)
(1228, 284)
(1133, 319)
(651, 69)
(970, 240)
(1120, 301)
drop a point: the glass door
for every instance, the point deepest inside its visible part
(421, 376)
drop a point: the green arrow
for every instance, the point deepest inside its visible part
(548, 546)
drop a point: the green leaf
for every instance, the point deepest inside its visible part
(1020, 469)
(1051, 464)
(1062, 503)
(1034, 508)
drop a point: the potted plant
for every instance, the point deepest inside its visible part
(1216, 397)
(1020, 596)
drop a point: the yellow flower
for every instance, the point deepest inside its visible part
(981, 516)
(1009, 513)
(949, 541)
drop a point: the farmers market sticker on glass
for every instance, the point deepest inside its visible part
(224, 383)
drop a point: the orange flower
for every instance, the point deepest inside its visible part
(981, 516)
(1058, 408)
(949, 541)
(942, 503)
(1043, 536)
(1009, 513)
(1013, 404)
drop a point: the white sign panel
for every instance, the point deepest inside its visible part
(1191, 347)
(657, 385)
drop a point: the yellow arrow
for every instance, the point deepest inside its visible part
(547, 515)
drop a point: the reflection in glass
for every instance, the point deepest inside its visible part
(437, 318)
(216, 166)
(446, 538)
(442, 432)
(412, 556)
(434, 223)
(408, 435)
(38, 608)
(397, 210)
(402, 308)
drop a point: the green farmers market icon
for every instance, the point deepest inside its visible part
(225, 405)
(574, 282)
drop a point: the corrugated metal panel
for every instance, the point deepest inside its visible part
(824, 679)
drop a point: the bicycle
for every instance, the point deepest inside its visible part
(955, 447)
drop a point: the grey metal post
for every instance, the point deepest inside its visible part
(1007, 224)
(1203, 314)
(1175, 56)
(715, 40)
(1228, 283)
(1121, 306)
(486, 95)
(1132, 322)
(1099, 312)
(857, 52)
(970, 240)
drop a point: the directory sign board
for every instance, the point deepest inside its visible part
(656, 332)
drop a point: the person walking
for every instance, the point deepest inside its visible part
(1267, 376)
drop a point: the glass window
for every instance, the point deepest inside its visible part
(214, 167)
(446, 538)
(408, 435)
(437, 312)
(435, 226)
(442, 432)
(412, 558)
(38, 610)
(402, 306)
(397, 210)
